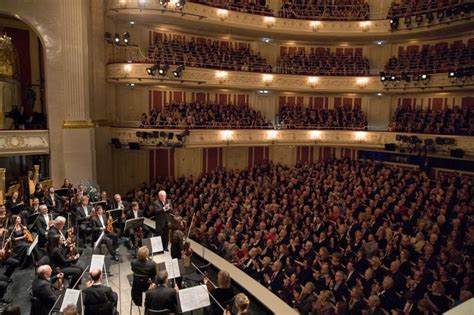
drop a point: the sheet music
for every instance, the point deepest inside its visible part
(99, 240)
(32, 246)
(172, 266)
(194, 298)
(70, 297)
(149, 223)
(156, 244)
(97, 261)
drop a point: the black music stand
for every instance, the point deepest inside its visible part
(55, 310)
(16, 209)
(115, 213)
(99, 203)
(62, 192)
(133, 223)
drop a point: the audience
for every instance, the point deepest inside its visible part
(204, 115)
(287, 227)
(454, 120)
(298, 117)
(322, 61)
(438, 8)
(437, 58)
(206, 53)
(259, 7)
(335, 10)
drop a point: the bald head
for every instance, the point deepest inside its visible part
(96, 274)
(44, 272)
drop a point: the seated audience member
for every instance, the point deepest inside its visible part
(322, 305)
(160, 296)
(304, 301)
(99, 299)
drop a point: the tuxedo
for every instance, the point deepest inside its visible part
(161, 298)
(99, 300)
(42, 225)
(53, 202)
(147, 271)
(82, 214)
(43, 290)
(161, 221)
(99, 223)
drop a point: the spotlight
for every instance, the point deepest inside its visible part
(131, 85)
(126, 38)
(152, 70)
(383, 77)
(393, 78)
(117, 38)
(164, 2)
(108, 38)
(394, 22)
(179, 71)
(163, 70)
(424, 77)
(451, 74)
(180, 4)
(405, 77)
(416, 77)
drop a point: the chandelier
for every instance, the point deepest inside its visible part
(5, 42)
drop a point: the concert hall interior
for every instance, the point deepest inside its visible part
(283, 157)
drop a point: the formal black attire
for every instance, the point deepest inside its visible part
(161, 298)
(143, 270)
(44, 291)
(305, 305)
(9, 204)
(131, 232)
(53, 202)
(67, 265)
(276, 281)
(20, 249)
(99, 300)
(161, 221)
(110, 239)
(83, 214)
(42, 228)
(223, 297)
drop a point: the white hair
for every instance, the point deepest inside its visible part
(60, 219)
(41, 207)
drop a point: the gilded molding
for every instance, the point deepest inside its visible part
(14, 142)
(78, 124)
(343, 138)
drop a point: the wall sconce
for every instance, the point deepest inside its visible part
(221, 76)
(364, 26)
(267, 79)
(313, 81)
(227, 135)
(269, 21)
(127, 68)
(272, 135)
(360, 136)
(222, 14)
(362, 82)
(315, 135)
(315, 25)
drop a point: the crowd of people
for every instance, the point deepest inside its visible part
(206, 53)
(204, 115)
(339, 236)
(322, 62)
(259, 7)
(405, 8)
(454, 121)
(300, 117)
(437, 58)
(332, 10)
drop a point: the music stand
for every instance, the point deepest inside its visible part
(115, 213)
(56, 309)
(99, 203)
(133, 223)
(17, 209)
(155, 248)
(32, 218)
(62, 192)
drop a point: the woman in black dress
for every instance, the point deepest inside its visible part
(59, 259)
(223, 293)
(20, 243)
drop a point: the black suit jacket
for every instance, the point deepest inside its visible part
(49, 202)
(161, 298)
(42, 227)
(99, 300)
(97, 225)
(144, 268)
(81, 214)
(161, 218)
(43, 290)
(276, 284)
(129, 214)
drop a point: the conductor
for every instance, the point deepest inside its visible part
(162, 213)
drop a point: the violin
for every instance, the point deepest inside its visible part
(29, 237)
(71, 248)
(110, 224)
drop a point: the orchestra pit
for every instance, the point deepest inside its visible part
(229, 157)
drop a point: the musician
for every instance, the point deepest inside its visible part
(98, 298)
(161, 218)
(222, 293)
(67, 184)
(59, 258)
(13, 201)
(177, 244)
(43, 290)
(57, 229)
(105, 198)
(159, 296)
(134, 213)
(83, 214)
(118, 203)
(142, 266)
(39, 192)
(43, 222)
(10, 262)
(3, 220)
(99, 224)
(20, 242)
(52, 200)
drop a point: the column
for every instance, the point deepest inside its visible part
(78, 128)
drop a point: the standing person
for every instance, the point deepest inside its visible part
(161, 219)
(43, 222)
(98, 298)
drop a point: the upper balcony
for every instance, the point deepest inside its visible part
(210, 19)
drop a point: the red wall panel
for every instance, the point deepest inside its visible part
(257, 155)
(161, 163)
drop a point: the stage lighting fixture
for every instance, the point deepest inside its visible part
(408, 20)
(393, 78)
(394, 22)
(440, 15)
(416, 77)
(163, 70)
(164, 2)
(419, 19)
(430, 17)
(117, 38)
(126, 38)
(180, 4)
(382, 76)
(179, 71)
(451, 74)
(156, 134)
(467, 72)
(424, 77)
(170, 136)
(108, 37)
(152, 70)
(163, 134)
